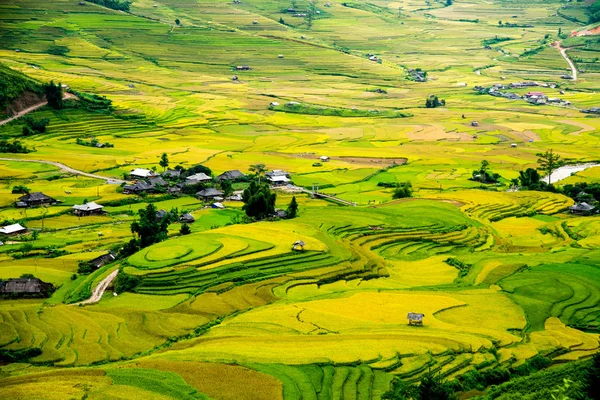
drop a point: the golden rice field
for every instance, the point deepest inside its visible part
(231, 311)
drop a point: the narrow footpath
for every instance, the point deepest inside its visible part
(100, 289)
(563, 52)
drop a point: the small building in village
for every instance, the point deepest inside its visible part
(209, 194)
(103, 260)
(35, 199)
(234, 175)
(25, 287)
(187, 218)
(582, 208)
(278, 180)
(142, 173)
(200, 177)
(324, 158)
(12, 230)
(91, 208)
(415, 318)
(137, 188)
(171, 173)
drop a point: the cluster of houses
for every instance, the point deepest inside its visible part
(593, 110)
(538, 98)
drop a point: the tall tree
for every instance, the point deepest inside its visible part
(549, 162)
(226, 187)
(259, 200)
(310, 13)
(292, 210)
(54, 95)
(164, 161)
(258, 170)
(150, 229)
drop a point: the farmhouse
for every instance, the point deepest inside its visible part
(160, 214)
(277, 172)
(474, 123)
(534, 95)
(171, 173)
(415, 318)
(209, 194)
(90, 208)
(582, 208)
(14, 229)
(217, 205)
(103, 260)
(298, 245)
(324, 158)
(137, 188)
(35, 199)
(231, 176)
(278, 180)
(200, 177)
(242, 68)
(25, 287)
(187, 218)
(141, 173)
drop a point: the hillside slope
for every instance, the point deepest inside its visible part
(17, 91)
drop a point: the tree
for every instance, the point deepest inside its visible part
(499, 22)
(432, 102)
(126, 282)
(593, 378)
(177, 21)
(529, 178)
(226, 187)
(549, 162)
(292, 210)
(448, 3)
(258, 170)
(402, 190)
(433, 388)
(259, 200)
(485, 164)
(20, 189)
(185, 229)
(310, 13)
(149, 229)
(54, 95)
(164, 161)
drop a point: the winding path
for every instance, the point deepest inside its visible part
(32, 108)
(563, 52)
(66, 168)
(100, 289)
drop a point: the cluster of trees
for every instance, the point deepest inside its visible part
(13, 84)
(402, 190)
(432, 387)
(54, 95)
(484, 175)
(530, 179)
(594, 11)
(433, 102)
(259, 200)
(92, 103)
(13, 147)
(120, 5)
(148, 229)
(34, 126)
(93, 143)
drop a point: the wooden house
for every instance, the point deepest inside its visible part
(415, 318)
(35, 199)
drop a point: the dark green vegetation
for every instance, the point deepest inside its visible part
(13, 84)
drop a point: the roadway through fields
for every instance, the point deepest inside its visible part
(34, 107)
(563, 52)
(100, 289)
(68, 169)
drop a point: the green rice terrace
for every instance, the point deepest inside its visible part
(299, 199)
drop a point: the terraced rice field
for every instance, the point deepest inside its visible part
(231, 310)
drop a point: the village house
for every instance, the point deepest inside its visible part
(278, 180)
(103, 260)
(187, 218)
(14, 229)
(141, 173)
(35, 199)
(160, 214)
(156, 182)
(233, 175)
(582, 208)
(200, 177)
(217, 205)
(415, 318)
(25, 287)
(86, 209)
(171, 173)
(324, 159)
(209, 194)
(137, 188)
(242, 68)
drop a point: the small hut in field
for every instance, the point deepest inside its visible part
(415, 318)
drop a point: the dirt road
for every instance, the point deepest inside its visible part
(66, 168)
(563, 52)
(100, 289)
(32, 108)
